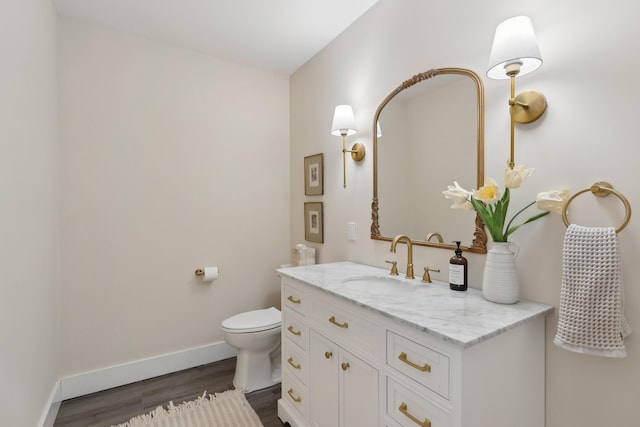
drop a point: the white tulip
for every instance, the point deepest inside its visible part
(514, 177)
(459, 196)
(552, 201)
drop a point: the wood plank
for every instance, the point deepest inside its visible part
(118, 405)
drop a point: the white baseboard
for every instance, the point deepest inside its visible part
(51, 409)
(127, 373)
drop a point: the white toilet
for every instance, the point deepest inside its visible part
(256, 336)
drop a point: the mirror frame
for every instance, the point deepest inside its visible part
(479, 242)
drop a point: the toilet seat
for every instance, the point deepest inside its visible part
(253, 321)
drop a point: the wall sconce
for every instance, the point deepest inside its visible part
(344, 124)
(515, 52)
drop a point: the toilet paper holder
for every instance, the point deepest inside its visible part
(207, 274)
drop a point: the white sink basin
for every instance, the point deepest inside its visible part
(378, 285)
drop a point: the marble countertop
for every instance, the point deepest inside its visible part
(461, 318)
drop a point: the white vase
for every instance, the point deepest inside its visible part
(500, 279)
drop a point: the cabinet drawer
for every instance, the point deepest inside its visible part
(295, 329)
(295, 299)
(296, 394)
(295, 361)
(409, 409)
(345, 326)
(418, 362)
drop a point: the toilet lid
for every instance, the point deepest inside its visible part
(256, 320)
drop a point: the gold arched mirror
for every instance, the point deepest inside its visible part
(428, 133)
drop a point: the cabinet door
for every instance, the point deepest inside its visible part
(323, 381)
(358, 392)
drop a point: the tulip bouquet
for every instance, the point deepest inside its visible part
(492, 206)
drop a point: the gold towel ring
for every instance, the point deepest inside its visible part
(601, 189)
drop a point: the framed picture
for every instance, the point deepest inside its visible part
(313, 228)
(313, 179)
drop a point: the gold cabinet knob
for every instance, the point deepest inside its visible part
(345, 366)
(328, 355)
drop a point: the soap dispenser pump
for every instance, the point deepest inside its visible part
(458, 270)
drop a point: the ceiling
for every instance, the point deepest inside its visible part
(279, 35)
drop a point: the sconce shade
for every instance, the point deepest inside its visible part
(514, 41)
(343, 120)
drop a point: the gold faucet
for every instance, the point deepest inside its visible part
(436, 235)
(403, 237)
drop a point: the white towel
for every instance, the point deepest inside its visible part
(591, 318)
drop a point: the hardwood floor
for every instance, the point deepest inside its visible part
(120, 404)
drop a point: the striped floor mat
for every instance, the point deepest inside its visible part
(226, 409)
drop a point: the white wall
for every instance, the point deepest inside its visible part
(171, 160)
(588, 134)
(29, 189)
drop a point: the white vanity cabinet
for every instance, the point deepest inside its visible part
(358, 360)
(345, 388)
(329, 378)
(295, 359)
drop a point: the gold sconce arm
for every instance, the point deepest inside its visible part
(527, 107)
(357, 153)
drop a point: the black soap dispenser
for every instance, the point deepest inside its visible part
(458, 270)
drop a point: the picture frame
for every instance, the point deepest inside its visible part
(313, 222)
(314, 175)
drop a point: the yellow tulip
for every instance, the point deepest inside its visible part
(488, 193)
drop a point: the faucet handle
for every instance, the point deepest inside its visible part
(394, 267)
(426, 277)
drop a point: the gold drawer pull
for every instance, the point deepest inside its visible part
(425, 368)
(403, 409)
(297, 333)
(328, 355)
(345, 366)
(295, 301)
(295, 399)
(332, 319)
(290, 360)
